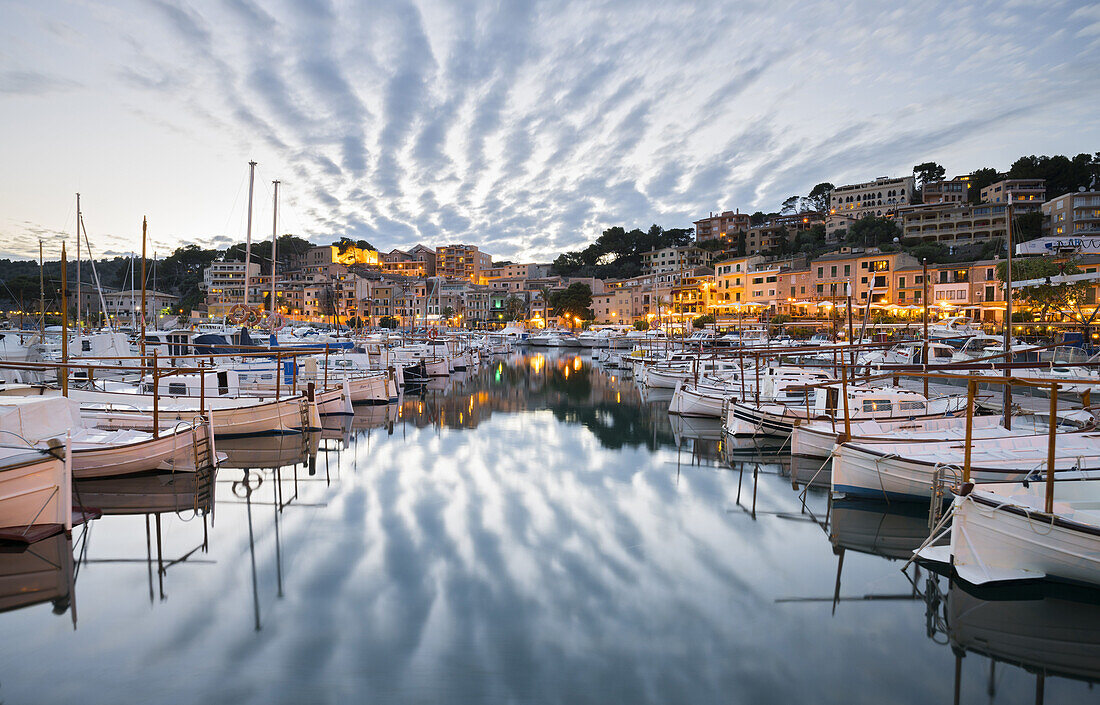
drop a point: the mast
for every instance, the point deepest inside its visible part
(133, 303)
(156, 318)
(924, 296)
(64, 325)
(248, 232)
(42, 289)
(79, 299)
(144, 228)
(274, 239)
(1007, 398)
(95, 275)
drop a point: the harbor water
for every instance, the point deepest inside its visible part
(538, 531)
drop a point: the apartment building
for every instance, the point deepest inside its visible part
(1073, 214)
(124, 306)
(952, 191)
(954, 223)
(869, 273)
(767, 237)
(517, 271)
(721, 226)
(224, 281)
(418, 261)
(881, 197)
(462, 262)
(675, 259)
(731, 278)
(1024, 194)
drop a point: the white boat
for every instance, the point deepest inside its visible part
(817, 439)
(953, 328)
(907, 471)
(864, 403)
(1002, 532)
(35, 487)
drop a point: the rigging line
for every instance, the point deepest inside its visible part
(236, 198)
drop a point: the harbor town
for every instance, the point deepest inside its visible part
(515, 352)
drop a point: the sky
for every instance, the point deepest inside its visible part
(526, 128)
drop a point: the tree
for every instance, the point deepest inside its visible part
(872, 230)
(514, 309)
(572, 302)
(758, 218)
(791, 205)
(387, 322)
(819, 196)
(979, 179)
(742, 244)
(928, 172)
(1062, 174)
(642, 324)
(808, 241)
(702, 321)
(1027, 226)
(1067, 299)
(448, 312)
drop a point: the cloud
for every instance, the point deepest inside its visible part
(33, 83)
(528, 127)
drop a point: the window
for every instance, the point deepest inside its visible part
(901, 282)
(989, 273)
(847, 270)
(990, 293)
(877, 405)
(803, 290)
(820, 272)
(918, 280)
(177, 389)
(901, 297)
(832, 271)
(880, 281)
(821, 288)
(882, 265)
(911, 406)
(916, 296)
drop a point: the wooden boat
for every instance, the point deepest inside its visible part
(35, 487)
(1002, 532)
(908, 471)
(817, 439)
(864, 403)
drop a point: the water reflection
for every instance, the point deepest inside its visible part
(536, 530)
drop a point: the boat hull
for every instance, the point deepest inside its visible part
(992, 541)
(35, 489)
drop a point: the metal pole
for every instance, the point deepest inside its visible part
(924, 297)
(844, 392)
(156, 398)
(1007, 399)
(971, 389)
(274, 239)
(1051, 440)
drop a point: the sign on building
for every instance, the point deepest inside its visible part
(1055, 245)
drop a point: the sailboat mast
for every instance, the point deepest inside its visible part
(248, 232)
(42, 288)
(144, 228)
(274, 240)
(79, 299)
